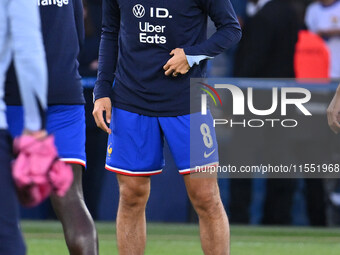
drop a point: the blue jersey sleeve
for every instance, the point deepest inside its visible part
(228, 31)
(108, 50)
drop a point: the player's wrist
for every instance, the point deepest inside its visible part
(39, 134)
(101, 99)
(100, 96)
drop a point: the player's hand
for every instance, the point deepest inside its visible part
(40, 134)
(178, 64)
(100, 106)
(333, 112)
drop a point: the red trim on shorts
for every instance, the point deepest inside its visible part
(75, 162)
(131, 174)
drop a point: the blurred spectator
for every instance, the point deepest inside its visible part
(266, 51)
(88, 58)
(323, 18)
(312, 58)
(300, 8)
(269, 38)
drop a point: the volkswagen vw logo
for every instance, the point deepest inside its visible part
(139, 11)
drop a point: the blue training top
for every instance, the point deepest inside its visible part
(137, 37)
(63, 33)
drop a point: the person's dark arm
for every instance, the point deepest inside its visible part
(108, 49)
(227, 35)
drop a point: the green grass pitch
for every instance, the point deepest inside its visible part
(46, 238)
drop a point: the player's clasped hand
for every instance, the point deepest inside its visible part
(40, 134)
(100, 106)
(333, 112)
(178, 64)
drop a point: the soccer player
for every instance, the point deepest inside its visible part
(20, 38)
(151, 49)
(62, 25)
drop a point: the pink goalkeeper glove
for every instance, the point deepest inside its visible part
(37, 171)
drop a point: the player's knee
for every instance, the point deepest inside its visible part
(206, 201)
(76, 245)
(82, 243)
(134, 197)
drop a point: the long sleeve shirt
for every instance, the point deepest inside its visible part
(137, 37)
(20, 38)
(63, 34)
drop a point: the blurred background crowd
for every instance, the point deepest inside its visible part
(281, 39)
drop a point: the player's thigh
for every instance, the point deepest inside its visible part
(135, 144)
(192, 140)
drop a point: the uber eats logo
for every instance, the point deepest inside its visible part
(151, 33)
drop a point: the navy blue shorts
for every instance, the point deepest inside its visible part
(65, 122)
(135, 146)
(11, 241)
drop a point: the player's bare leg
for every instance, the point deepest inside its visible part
(131, 223)
(79, 229)
(214, 226)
